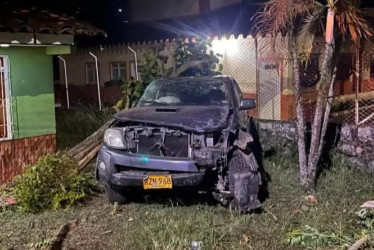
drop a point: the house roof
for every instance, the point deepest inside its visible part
(37, 21)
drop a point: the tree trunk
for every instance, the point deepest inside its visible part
(189, 65)
(303, 166)
(323, 90)
(327, 113)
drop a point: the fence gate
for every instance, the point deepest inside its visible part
(269, 94)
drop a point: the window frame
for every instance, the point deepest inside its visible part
(8, 99)
(117, 63)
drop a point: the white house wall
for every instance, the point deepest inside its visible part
(239, 61)
(76, 62)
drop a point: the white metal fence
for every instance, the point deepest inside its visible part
(5, 100)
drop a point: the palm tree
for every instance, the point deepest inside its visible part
(304, 21)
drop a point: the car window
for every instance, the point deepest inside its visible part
(180, 92)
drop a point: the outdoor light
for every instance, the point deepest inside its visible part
(113, 139)
(4, 45)
(225, 46)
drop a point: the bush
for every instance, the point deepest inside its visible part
(52, 183)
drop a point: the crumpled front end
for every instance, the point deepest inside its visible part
(129, 170)
(155, 150)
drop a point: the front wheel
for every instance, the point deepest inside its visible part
(244, 181)
(115, 196)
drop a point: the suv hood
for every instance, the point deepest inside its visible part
(190, 118)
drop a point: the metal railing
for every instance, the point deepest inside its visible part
(6, 122)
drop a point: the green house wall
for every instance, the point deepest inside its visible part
(31, 72)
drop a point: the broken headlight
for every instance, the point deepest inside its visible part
(114, 138)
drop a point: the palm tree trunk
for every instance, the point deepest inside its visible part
(327, 113)
(303, 166)
(323, 92)
(319, 114)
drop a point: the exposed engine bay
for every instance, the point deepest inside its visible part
(207, 149)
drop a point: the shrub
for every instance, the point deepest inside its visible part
(311, 238)
(52, 183)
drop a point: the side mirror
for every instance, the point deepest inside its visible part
(247, 104)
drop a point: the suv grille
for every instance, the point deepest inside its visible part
(173, 146)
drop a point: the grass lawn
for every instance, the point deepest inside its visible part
(169, 222)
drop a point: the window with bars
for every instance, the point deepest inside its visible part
(118, 71)
(5, 103)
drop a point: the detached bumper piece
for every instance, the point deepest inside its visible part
(135, 179)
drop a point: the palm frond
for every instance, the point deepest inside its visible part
(279, 17)
(273, 49)
(351, 21)
(312, 25)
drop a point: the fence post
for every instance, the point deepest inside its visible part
(136, 62)
(357, 73)
(97, 79)
(258, 95)
(66, 82)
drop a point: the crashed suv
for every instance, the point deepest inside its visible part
(183, 132)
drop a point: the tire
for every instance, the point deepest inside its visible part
(115, 196)
(244, 181)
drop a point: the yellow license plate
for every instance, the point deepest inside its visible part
(158, 182)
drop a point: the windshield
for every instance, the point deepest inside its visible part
(184, 92)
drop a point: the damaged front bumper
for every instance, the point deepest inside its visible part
(123, 169)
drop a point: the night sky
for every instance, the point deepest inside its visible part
(113, 17)
(98, 12)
